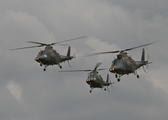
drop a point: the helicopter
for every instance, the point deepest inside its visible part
(94, 80)
(124, 64)
(49, 56)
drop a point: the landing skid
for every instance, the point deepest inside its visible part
(60, 66)
(118, 76)
(137, 76)
(45, 66)
(91, 90)
(104, 90)
(135, 72)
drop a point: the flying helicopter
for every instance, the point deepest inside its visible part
(94, 79)
(124, 64)
(49, 56)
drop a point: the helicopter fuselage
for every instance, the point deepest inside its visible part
(49, 56)
(124, 64)
(95, 80)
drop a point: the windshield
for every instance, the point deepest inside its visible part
(92, 76)
(42, 53)
(117, 62)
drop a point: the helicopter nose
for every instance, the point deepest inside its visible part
(88, 81)
(115, 69)
(112, 70)
(37, 59)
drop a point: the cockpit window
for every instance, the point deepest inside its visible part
(42, 53)
(117, 62)
(92, 76)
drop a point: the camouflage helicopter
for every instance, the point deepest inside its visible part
(124, 64)
(94, 79)
(49, 56)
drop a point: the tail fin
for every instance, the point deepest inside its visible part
(107, 79)
(108, 82)
(143, 60)
(69, 51)
(143, 55)
(69, 55)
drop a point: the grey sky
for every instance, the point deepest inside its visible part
(29, 93)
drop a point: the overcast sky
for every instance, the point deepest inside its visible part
(29, 93)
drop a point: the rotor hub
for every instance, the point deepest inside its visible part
(119, 56)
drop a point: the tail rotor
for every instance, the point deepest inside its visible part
(109, 83)
(143, 60)
(69, 57)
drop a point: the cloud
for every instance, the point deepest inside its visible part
(15, 90)
(23, 27)
(158, 78)
(99, 46)
(30, 93)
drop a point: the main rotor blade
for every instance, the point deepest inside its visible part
(98, 53)
(102, 69)
(139, 46)
(42, 44)
(97, 65)
(74, 70)
(26, 47)
(81, 70)
(67, 40)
